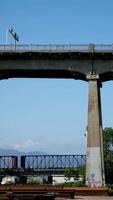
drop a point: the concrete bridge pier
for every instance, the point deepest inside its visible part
(94, 162)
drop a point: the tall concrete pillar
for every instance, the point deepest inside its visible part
(94, 163)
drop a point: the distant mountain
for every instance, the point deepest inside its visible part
(8, 152)
(35, 153)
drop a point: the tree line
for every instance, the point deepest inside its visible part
(108, 154)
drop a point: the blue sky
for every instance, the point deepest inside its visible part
(43, 114)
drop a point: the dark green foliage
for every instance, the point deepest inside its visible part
(72, 184)
(82, 171)
(108, 154)
(110, 191)
(69, 173)
(34, 183)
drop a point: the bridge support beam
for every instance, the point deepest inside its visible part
(94, 162)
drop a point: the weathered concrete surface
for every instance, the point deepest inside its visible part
(56, 65)
(94, 163)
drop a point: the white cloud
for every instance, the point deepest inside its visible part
(27, 144)
(40, 145)
(49, 146)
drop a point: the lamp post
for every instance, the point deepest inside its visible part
(14, 34)
(6, 41)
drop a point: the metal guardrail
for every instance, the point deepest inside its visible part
(57, 48)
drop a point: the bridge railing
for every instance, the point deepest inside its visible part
(103, 47)
(57, 48)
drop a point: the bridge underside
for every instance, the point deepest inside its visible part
(39, 73)
(71, 65)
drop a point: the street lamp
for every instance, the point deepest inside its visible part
(14, 34)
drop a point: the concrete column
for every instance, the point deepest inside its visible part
(94, 163)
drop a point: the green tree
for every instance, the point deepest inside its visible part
(108, 153)
(82, 171)
(69, 173)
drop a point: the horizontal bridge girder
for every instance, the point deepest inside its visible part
(64, 62)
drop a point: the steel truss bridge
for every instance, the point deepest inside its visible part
(40, 164)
